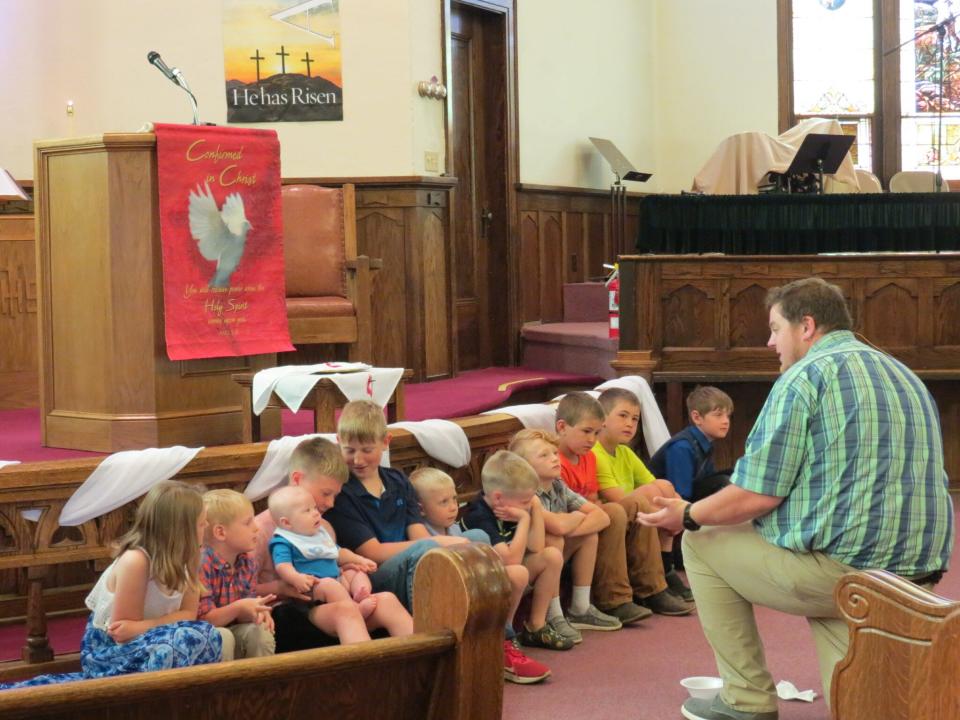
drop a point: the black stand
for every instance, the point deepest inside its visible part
(819, 155)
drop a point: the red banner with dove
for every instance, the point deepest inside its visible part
(222, 237)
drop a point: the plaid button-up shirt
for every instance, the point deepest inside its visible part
(224, 583)
(850, 438)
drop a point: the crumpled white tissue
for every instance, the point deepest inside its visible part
(786, 690)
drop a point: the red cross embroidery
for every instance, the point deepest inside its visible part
(370, 385)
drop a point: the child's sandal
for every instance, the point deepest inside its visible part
(545, 637)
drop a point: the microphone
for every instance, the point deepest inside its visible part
(176, 77)
(153, 57)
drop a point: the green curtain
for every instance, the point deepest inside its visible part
(798, 224)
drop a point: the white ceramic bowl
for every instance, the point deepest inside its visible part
(702, 687)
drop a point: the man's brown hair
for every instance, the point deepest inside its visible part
(706, 398)
(812, 297)
(576, 406)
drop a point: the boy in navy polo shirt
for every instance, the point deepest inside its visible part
(377, 513)
(685, 459)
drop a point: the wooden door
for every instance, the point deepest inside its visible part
(479, 161)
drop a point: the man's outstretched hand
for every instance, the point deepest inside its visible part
(669, 517)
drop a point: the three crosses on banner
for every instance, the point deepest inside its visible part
(283, 54)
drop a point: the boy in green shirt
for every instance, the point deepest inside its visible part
(621, 473)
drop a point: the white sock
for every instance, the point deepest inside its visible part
(553, 610)
(580, 602)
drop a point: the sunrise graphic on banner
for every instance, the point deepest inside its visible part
(282, 60)
(221, 238)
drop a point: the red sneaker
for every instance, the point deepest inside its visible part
(519, 668)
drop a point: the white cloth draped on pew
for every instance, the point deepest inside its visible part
(272, 472)
(536, 416)
(440, 439)
(121, 478)
(655, 431)
(4, 463)
(292, 383)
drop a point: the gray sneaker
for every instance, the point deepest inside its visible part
(716, 709)
(565, 630)
(593, 619)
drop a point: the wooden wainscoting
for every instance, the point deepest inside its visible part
(566, 236)
(19, 380)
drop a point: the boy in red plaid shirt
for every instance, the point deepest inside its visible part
(228, 573)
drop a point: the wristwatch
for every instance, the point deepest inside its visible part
(688, 522)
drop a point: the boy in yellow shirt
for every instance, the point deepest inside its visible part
(620, 473)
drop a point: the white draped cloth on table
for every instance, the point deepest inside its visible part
(292, 383)
(740, 162)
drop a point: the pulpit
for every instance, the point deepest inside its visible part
(106, 383)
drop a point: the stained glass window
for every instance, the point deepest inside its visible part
(920, 88)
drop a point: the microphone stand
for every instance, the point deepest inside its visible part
(941, 29)
(182, 83)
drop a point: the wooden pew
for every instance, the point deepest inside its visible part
(57, 566)
(452, 667)
(904, 656)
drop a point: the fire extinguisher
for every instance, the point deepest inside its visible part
(613, 293)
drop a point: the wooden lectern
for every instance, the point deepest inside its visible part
(106, 383)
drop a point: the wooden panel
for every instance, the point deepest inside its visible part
(947, 299)
(407, 228)
(530, 266)
(688, 313)
(19, 379)
(745, 331)
(573, 248)
(551, 267)
(436, 307)
(380, 234)
(891, 312)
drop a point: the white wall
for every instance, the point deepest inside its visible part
(94, 53)
(585, 69)
(666, 80)
(716, 76)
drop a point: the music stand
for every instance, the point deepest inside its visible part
(820, 155)
(622, 168)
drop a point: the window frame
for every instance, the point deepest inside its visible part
(885, 143)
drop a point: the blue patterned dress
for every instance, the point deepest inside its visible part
(175, 645)
(180, 644)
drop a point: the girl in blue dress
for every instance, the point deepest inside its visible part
(144, 606)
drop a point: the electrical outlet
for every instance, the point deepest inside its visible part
(431, 161)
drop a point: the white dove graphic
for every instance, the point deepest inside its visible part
(220, 235)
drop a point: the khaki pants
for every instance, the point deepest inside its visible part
(628, 556)
(246, 640)
(731, 569)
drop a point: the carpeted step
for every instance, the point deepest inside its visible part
(575, 347)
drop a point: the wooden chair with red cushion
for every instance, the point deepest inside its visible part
(328, 284)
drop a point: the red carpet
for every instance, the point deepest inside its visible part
(467, 394)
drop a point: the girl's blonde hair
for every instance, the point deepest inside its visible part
(165, 527)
